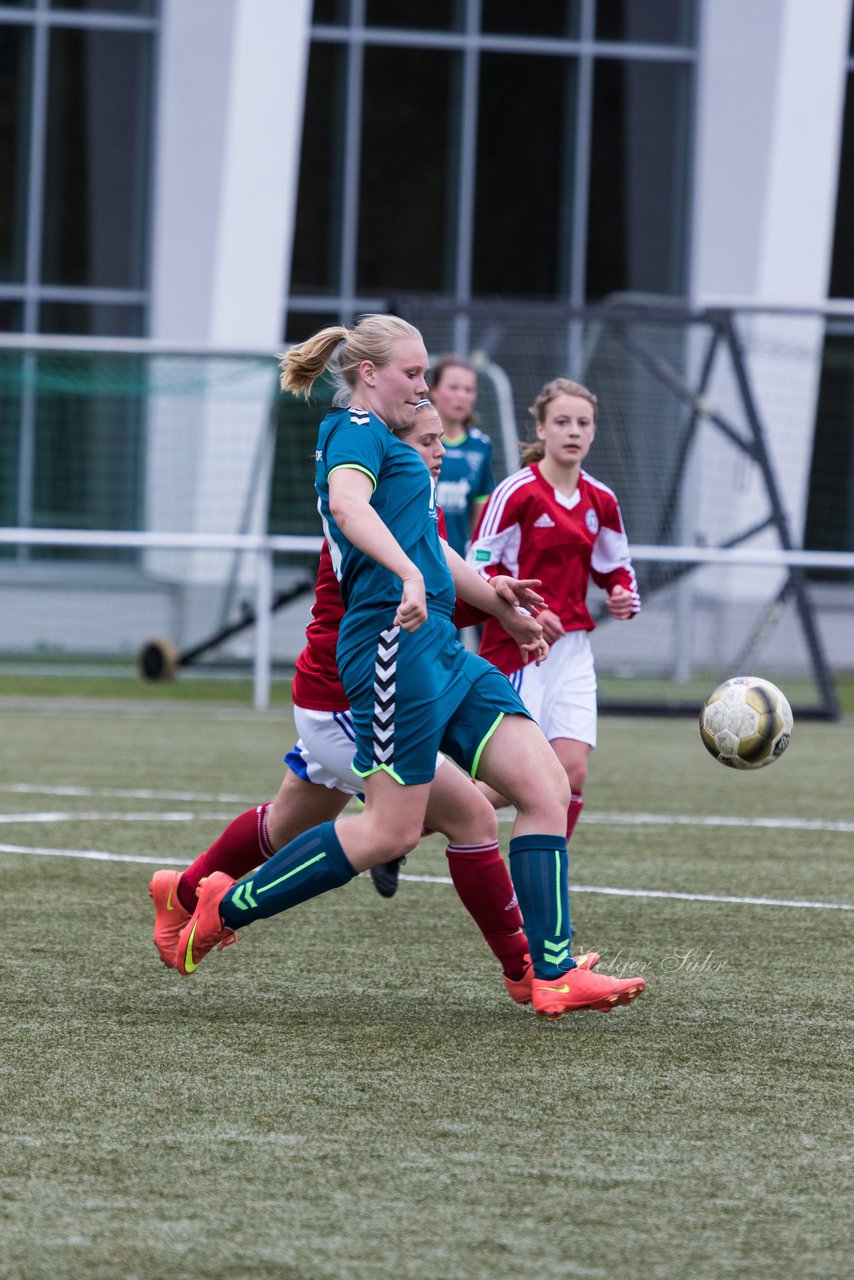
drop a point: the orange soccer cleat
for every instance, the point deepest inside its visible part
(581, 989)
(169, 915)
(205, 930)
(520, 988)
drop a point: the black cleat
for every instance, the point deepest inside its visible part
(385, 877)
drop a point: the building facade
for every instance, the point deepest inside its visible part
(231, 174)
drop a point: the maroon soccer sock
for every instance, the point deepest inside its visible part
(485, 889)
(573, 813)
(239, 849)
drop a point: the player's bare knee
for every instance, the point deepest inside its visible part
(401, 846)
(562, 792)
(394, 839)
(475, 822)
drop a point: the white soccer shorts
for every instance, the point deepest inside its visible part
(324, 753)
(561, 693)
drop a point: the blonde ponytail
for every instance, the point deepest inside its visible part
(341, 351)
(304, 363)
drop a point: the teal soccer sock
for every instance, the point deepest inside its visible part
(539, 866)
(308, 866)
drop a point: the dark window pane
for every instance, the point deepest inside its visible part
(638, 177)
(19, 4)
(534, 18)
(425, 15)
(137, 8)
(407, 210)
(842, 266)
(525, 163)
(316, 259)
(300, 325)
(11, 316)
(830, 510)
(92, 319)
(15, 86)
(331, 12)
(646, 21)
(96, 162)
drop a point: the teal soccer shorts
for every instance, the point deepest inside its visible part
(414, 694)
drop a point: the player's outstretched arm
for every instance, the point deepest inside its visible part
(469, 586)
(518, 591)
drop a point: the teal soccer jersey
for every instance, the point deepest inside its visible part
(404, 498)
(466, 477)
(409, 693)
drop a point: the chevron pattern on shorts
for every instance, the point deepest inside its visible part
(385, 690)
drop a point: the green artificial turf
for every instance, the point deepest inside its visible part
(348, 1093)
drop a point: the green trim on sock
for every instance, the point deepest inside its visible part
(242, 896)
(296, 870)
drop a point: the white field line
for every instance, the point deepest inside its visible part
(504, 815)
(99, 855)
(687, 897)
(121, 793)
(180, 815)
(715, 820)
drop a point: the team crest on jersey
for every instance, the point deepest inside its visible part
(591, 520)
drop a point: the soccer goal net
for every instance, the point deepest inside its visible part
(152, 493)
(707, 431)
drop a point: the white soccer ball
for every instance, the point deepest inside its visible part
(746, 723)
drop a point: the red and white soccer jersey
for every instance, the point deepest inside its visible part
(529, 530)
(317, 685)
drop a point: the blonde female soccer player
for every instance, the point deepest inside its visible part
(319, 781)
(413, 688)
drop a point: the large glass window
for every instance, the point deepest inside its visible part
(145, 8)
(317, 233)
(481, 147)
(526, 135)
(15, 75)
(95, 159)
(534, 18)
(638, 176)
(100, 320)
(646, 21)
(408, 165)
(75, 129)
(331, 11)
(75, 132)
(842, 265)
(429, 15)
(11, 316)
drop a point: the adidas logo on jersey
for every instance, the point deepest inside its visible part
(544, 522)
